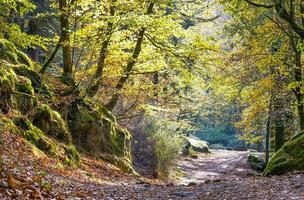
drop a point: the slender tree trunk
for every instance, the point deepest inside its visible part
(268, 130)
(33, 52)
(95, 84)
(155, 83)
(131, 63)
(65, 33)
(51, 58)
(279, 120)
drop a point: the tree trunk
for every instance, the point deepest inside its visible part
(95, 84)
(32, 30)
(268, 130)
(297, 91)
(65, 33)
(51, 58)
(131, 63)
(279, 121)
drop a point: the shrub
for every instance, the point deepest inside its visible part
(167, 145)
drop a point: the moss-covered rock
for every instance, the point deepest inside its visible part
(289, 158)
(95, 130)
(193, 146)
(6, 124)
(10, 53)
(24, 98)
(34, 135)
(7, 87)
(36, 79)
(71, 154)
(65, 153)
(51, 123)
(256, 162)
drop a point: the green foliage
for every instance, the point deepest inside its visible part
(168, 145)
(223, 135)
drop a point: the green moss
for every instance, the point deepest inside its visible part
(289, 158)
(96, 131)
(34, 135)
(193, 146)
(106, 114)
(24, 96)
(11, 54)
(36, 80)
(123, 163)
(7, 125)
(71, 153)
(7, 78)
(7, 87)
(51, 123)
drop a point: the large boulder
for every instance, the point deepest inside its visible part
(24, 95)
(256, 162)
(10, 53)
(36, 79)
(51, 123)
(289, 158)
(15, 91)
(7, 87)
(95, 130)
(193, 146)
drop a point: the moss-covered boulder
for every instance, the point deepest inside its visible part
(95, 130)
(7, 87)
(10, 53)
(15, 91)
(289, 158)
(193, 146)
(6, 124)
(66, 153)
(24, 98)
(256, 162)
(36, 79)
(51, 123)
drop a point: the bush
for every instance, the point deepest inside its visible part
(167, 145)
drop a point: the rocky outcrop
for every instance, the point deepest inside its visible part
(289, 158)
(89, 126)
(51, 123)
(95, 130)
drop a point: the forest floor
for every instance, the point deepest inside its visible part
(28, 175)
(215, 166)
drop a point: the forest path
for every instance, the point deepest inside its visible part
(214, 166)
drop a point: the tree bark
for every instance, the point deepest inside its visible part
(96, 82)
(131, 63)
(279, 119)
(65, 33)
(298, 74)
(268, 130)
(33, 52)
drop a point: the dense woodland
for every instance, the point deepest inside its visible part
(117, 90)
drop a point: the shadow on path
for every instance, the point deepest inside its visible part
(219, 164)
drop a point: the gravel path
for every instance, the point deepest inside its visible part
(219, 164)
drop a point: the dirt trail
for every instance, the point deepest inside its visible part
(217, 165)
